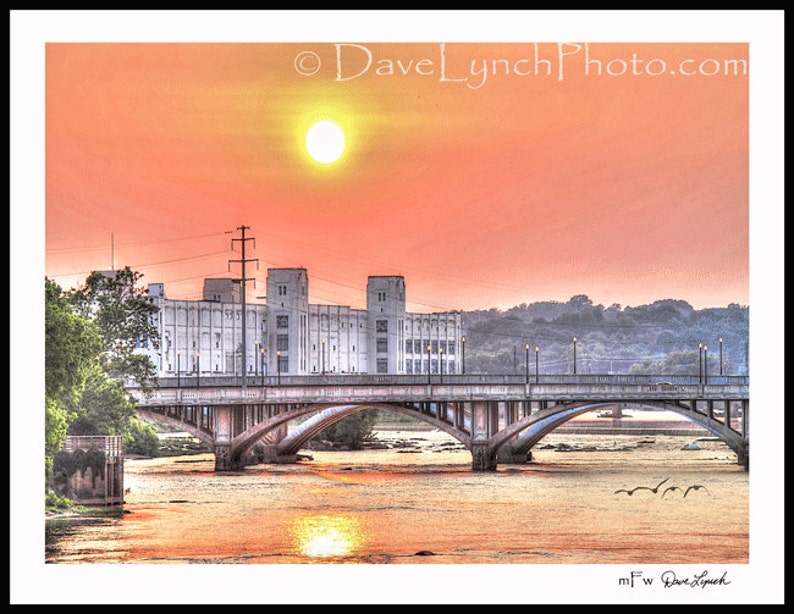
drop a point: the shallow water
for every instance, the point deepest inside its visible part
(428, 507)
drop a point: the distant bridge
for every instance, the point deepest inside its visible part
(499, 418)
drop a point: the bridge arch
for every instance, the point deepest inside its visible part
(203, 436)
(325, 416)
(523, 435)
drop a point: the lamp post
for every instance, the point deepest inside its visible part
(526, 349)
(700, 363)
(262, 353)
(721, 363)
(256, 363)
(322, 356)
(278, 367)
(705, 364)
(428, 364)
(198, 370)
(441, 364)
(537, 351)
(178, 368)
(574, 355)
(463, 354)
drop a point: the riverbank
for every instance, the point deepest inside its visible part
(82, 511)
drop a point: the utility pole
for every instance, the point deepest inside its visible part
(242, 280)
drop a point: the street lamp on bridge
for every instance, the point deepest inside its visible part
(537, 351)
(441, 364)
(256, 352)
(322, 357)
(463, 353)
(574, 355)
(262, 353)
(198, 370)
(705, 364)
(526, 362)
(721, 363)
(700, 363)
(428, 364)
(278, 366)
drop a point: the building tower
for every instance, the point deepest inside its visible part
(287, 319)
(386, 313)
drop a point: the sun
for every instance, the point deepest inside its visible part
(325, 142)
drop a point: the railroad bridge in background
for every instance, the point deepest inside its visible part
(498, 418)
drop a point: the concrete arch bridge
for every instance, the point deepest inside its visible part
(497, 418)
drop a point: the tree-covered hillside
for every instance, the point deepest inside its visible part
(662, 337)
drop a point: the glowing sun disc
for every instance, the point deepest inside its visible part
(325, 142)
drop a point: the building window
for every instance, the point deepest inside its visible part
(409, 346)
(283, 364)
(382, 344)
(282, 321)
(409, 366)
(282, 343)
(418, 346)
(381, 326)
(451, 347)
(383, 365)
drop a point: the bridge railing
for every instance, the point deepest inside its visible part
(194, 382)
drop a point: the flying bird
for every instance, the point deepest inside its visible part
(654, 490)
(669, 488)
(695, 487)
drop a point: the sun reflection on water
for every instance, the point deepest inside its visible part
(327, 536)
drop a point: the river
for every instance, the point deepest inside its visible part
(419, 506)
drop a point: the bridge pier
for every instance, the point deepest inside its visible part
(744, 456)
(222, 447)
(223, 457)
(483, 458)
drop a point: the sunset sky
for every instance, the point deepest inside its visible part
(490, 175)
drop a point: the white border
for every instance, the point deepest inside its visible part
(33, 582)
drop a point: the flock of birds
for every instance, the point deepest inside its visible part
(655, 489)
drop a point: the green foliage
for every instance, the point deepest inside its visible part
(644, 339)
(123, 315)
(352, 431)
(71, 348)
(91, 336)
(55, 502)
(141, 438)
(105, 408)
(56, 426)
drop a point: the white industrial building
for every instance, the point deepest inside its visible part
(287, 335)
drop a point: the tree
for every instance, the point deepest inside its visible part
(71, 348)
(352, 431)
(105, 408)
(123, 315)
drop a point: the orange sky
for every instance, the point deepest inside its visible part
(625, 187)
